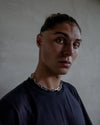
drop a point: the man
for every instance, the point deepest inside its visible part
(44, 99)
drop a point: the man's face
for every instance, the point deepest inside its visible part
(58, 48)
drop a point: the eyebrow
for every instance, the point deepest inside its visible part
(66, 35)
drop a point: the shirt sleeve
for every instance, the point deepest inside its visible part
(14, 110)
(87, 119)
(8, 115)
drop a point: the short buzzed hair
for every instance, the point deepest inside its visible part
(58, 18)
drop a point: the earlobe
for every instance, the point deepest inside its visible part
(38, 40)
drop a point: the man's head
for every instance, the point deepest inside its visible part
(58, 43)
(58, 18)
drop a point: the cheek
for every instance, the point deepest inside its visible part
(46, 53)
(75, 54)
(49, 52)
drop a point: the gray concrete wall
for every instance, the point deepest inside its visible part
(20, 21)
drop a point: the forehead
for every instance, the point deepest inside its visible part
(70, 30)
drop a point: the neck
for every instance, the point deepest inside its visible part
(46, 79)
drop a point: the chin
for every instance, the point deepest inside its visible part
(63, 72)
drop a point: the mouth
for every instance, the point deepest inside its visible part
(65, 64)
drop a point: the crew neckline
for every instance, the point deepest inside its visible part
(46, 91)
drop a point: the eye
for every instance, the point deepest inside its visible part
(60, 40)
(76, 45)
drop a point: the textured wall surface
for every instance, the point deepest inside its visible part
(20, 21)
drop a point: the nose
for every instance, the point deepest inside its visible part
(68, 50)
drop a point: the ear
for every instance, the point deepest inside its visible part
(38, 40)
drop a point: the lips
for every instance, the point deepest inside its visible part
(65, 63)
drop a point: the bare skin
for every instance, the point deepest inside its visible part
(58, 48)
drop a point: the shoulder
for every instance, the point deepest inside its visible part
(15, 106)
(16, 95)
(69, 87)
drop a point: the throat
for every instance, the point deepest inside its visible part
(47, 83)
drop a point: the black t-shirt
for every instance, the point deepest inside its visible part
(28, 104)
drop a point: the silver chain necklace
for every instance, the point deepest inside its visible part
(42, 87)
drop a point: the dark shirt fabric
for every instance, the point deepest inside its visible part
(28, 104)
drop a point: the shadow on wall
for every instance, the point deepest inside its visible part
(95, 1)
